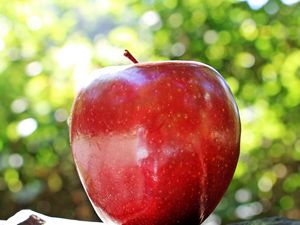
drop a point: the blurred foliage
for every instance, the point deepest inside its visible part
(47, 48)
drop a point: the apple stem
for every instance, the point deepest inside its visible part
(129, 56)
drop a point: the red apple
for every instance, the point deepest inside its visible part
(155, 143)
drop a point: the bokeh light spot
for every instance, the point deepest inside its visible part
(256, 4)
(19, 105)
(245, 59)
(178, 49)
(248, 29)
(210, 36)
(175, 20)
(151, 19)
(34, 68)
(15, 160)
(249, 210)
(61, 115)
(26, 127)
(213, 219)
(290, 2)
(243, 195)
(34, 22)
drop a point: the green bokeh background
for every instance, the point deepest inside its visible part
(48, 48)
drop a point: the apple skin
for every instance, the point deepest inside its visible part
(155, 143)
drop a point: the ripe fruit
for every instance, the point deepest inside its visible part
(155, 143)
